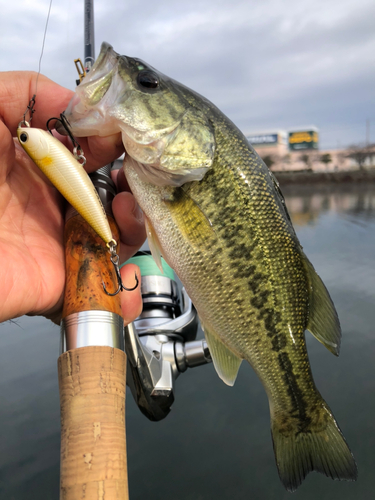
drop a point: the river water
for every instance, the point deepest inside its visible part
(216, 442)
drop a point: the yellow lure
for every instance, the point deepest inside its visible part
(67, 175)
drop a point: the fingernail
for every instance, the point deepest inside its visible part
(138, 213)
(139, 285)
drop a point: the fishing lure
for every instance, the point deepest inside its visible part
(68, 175)
(70, 178)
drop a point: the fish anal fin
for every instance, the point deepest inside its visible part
(226, 363)
(154, 244)
(323, 321)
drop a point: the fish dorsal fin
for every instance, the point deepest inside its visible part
(225, 362)
(153, 243)
(276, 186)
(323, 321)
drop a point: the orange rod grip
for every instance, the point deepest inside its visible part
(88, 264)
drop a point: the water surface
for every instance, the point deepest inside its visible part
(216, 443)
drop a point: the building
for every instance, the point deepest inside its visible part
(298, 149)
(282, 142)
(272, 142)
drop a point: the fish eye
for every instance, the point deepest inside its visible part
(23, 137)
(148, 79)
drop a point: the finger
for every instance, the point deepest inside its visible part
(100, 151)
(114, 175)
(129, 218)
(131, 302)
(16, 90)
(122, 183)
(7, 152)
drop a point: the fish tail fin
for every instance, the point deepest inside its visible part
(301, 448)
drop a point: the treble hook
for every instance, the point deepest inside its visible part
(77, 150)
(115, 259)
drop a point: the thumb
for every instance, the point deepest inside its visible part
(7, 149)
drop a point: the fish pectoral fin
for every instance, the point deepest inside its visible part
(225, 362)
(323, 321)
(154, 244)
(193, 223)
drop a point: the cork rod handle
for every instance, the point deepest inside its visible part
(92, 379)
(93, 442)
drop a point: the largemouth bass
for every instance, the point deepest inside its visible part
(217, 216)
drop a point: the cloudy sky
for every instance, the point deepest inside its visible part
(267, 64)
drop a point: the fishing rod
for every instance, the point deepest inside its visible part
(92, 364)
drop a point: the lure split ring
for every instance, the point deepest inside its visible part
(115, 259)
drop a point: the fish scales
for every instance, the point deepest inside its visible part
(217, 215)
(257, 265)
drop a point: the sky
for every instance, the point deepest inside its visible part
(268, 65)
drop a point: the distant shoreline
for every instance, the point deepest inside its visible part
(339, 177)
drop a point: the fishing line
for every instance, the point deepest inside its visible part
(44, 41)
(30, 106)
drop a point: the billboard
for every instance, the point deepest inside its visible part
(263, 139)
(303, 139)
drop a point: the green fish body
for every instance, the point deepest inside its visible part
(216, 214)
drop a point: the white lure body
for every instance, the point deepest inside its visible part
(67, 175)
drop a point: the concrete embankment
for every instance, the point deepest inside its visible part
(308, 177)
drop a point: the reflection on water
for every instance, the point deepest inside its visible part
(216, 443)
(306, 204)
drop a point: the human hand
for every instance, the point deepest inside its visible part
(32, 266)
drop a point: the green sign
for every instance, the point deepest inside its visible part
(303, 139)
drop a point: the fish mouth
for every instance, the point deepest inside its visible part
(87, 111)
(109, 101)
(97, 108)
